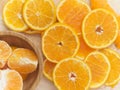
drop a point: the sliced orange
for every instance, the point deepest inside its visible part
(72, 74)
(100, 68)
(5, 52)
(84, 49)
(12, 15)
(59, 42)
(117, 41)
(72, 12)
(48, 69)
(39, 14)
(114, 59)
(23, 60)
(10, 80)
(100, 29)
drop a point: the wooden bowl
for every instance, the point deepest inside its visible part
(30, 42)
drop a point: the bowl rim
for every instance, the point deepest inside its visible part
(37, 51)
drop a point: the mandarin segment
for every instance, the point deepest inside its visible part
(10, 80)
(59, 42)
(23, 60)
(39, 14)
(5, 52)
(12, 15)
(72, 74)
(99, 29)
(48, 69)
(114, 59)
(100, 68)
(72, 12)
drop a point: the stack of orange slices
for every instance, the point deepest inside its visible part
(76, 40)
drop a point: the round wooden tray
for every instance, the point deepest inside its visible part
(23, 40)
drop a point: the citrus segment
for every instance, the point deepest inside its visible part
(100, 29)
(12, 15)
(59, 42)
(5, 52)
(39, 14)
(23, 60)
(10, 80)
(48, 69)
(114, 59)
(72, 12)
(72, 74)
(100, 68)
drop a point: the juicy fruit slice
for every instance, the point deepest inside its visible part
(72, 12)
(114, 59)
(59, 42)
(48, 69)
(100, 29)
(39, 14)
(12, 15)
(67, 75)
(5, 52)
(23, 60)
(100, 68)
(84, 49)
(10, 80)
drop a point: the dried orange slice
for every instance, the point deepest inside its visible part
(100, 29)
(84, 49)
(48, 69)
(10, 80)
(39, 14)
(114, 59)
(72, 12)
(12, 15)
(5, 52)
(100, 68)
(72, 74)
(59, 42)
(23, 60)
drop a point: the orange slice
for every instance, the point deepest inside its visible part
(59, 42)
(10, 80)
(100, 68)
(48, 69)
(72, 12)
(12, 15)
(114, 59)
(84, 49)
(39, 14)
(5, 52)
(100, 29)
(23, 60)
(72, 74)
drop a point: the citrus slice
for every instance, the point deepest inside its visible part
(48, 69)
(39, 14)
(10, 80)
(59, 42)
(100, 29)
(114, 59)
(72, 12)
(5, 52)
(84, 49)
(72, 74)
(23, 60)
(100, 68)
(12, 15)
